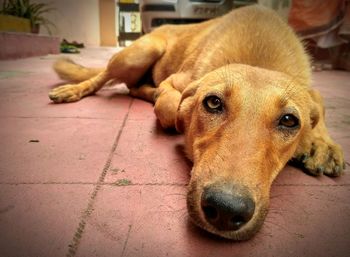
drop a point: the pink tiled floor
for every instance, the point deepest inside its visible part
(102, 179)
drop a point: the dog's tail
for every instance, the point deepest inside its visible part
(70, 71)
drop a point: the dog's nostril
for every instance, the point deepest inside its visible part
(210, 212)
(237, 222)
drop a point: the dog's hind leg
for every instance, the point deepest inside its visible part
(145, 92)
(128, 66)
(74, 92)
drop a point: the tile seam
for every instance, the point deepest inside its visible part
(94, 183)
(314, 185)
(126, 241)
(73, 246)
(146, 184)
(57, 117)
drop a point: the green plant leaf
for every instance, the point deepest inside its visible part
(33, 11)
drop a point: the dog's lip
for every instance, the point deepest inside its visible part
(246, 232)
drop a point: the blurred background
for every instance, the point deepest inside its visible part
(323, 24)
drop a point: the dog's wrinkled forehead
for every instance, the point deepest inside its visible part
(246, 76)
(241, 92)
(250, 86)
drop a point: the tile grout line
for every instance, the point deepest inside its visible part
(313, 185)
(149, 184)
(56, 117)
(73, 246)
(94, 183)
(126, 241)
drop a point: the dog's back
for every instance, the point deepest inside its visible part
(251, 35)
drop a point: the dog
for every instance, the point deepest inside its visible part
(238, 87)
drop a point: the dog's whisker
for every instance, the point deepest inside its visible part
(276, 211)
(278, 195)
(182, 194)
(263, 234)
(272, 214)
(267, 221)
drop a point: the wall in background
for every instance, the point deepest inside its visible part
(108, 22)
(75, 20)
(92, 22)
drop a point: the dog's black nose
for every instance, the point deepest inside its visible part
(227, 210)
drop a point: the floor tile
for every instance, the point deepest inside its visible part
(141, 110)
(91, 57)
(332, 83)
(108, 228)
(54, 150)
(40, 220)
(152, 221)
(21, 98)
(147, 154)
(301, 222)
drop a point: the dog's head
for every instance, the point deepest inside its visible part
(242, 125)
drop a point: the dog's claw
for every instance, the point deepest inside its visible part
(304, 158)
(337, 171)
(320, 170)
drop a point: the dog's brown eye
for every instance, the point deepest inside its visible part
(289, 121)
(213, 104)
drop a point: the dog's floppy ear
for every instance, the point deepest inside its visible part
(314, 115)
(317, 109)
(184, 111)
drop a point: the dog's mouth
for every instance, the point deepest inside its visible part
(226, 210)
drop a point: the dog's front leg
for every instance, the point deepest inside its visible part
(166, 103)
(168, 97)
(317, 152)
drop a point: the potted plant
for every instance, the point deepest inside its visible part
(14, 24)
(32, 11)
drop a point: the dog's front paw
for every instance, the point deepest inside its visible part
(323, 157)
(66, 94)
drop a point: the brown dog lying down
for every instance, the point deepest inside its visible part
(239, 88)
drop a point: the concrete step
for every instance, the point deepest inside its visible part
(16, 45)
